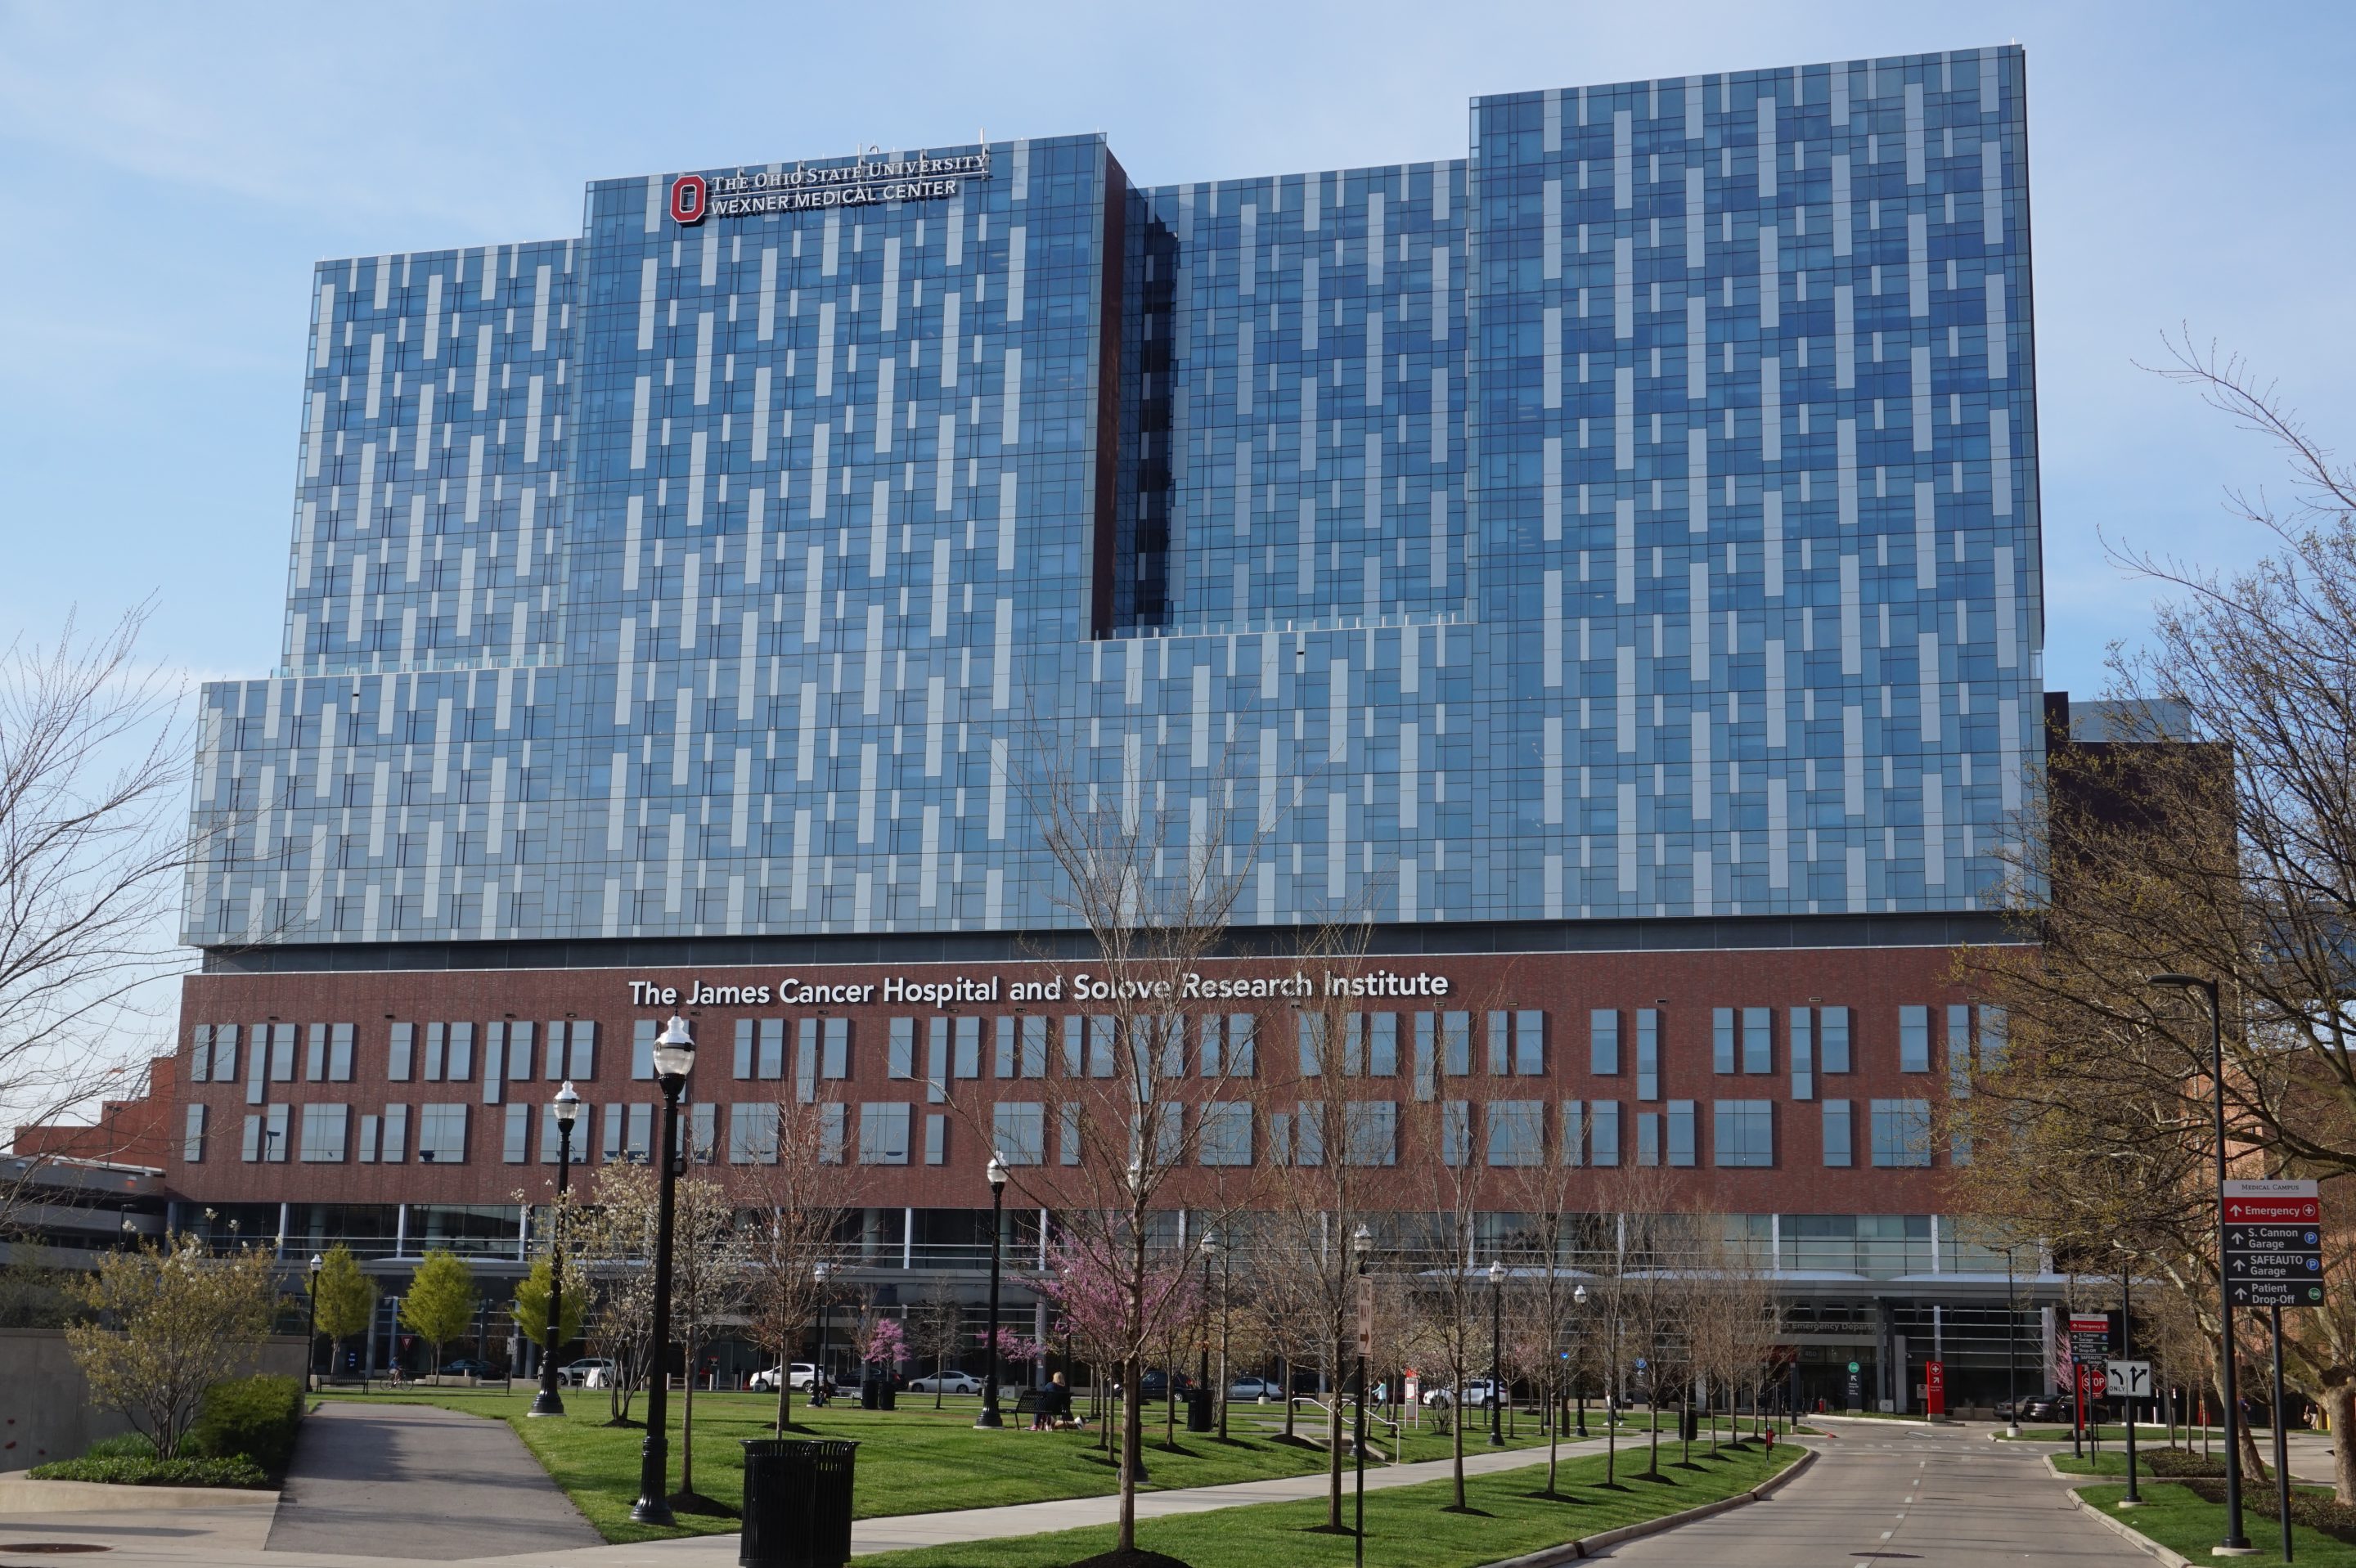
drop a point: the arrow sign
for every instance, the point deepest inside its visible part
(2129, 1380)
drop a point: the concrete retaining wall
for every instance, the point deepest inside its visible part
(45, 1409)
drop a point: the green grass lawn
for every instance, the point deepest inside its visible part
(2146, 1432)
(2177, 1520)
(1407, 1527)
(911, 1460)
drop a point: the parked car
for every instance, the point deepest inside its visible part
(576, 1374)
(1475, 1395)
(1254, 1388)
(1156, 1384)
(946, 1382)
(469, 1367)
(766, 1381)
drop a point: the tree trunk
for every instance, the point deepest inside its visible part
(1132, 1407)
(785, 1390)
(940, 1371)
(1284, 1371)
(2339, 1407)
(1554, 1435)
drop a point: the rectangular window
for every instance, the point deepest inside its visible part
(1648, 1137)
(225, 1053)
(583, 1055)
(257, 1066)
(836, 1063)
(324, 1130)
(769, 1057)
(1603, 1042)
(1648, 1053)
(1456, 1132)
(1529, 1043)
(699, 1132)
(1913, 1040)
(1280, 1137)
(1681, 1132)
(1603, 1133)
(1837, 1144)
(1833, 1026)
(1758, 1040)
(1574, 1126)
(437, 1038)
(495, 1056)
(1075, 1045)
(1743, 1133)
(967, 1057)
(639, 1135)
(1370, 1129)
(514, 1143)
(1309, 1029)
(282, 1053)
(937, 1059)
(752, 1133)
(1101, 1030)
(442, 1133)
(392, 1146)
(200, 1053)
(830, 1119)
(936, 1138)
(900, 1050)
(1994, 1026)
(1019, 1127)
(1959, 1051)
(371, 1129)
(1160, 1046)
(1308, 1133)
(884, 1133)
(277, 1123)
(1210, 1043)
(1517, 1132)
(250, 1150)
(1002, 1054)
(1456, 1044)
(1500, 1044)
(1243, 1053)
(1382, 1045)
(1169, 1132)
(805, 1055)
(192, 1130)
(613, 1119)
(1803, 1026)
(642, 1049)
(552, 1060)
(746, 1033)
(314, 1055)
(1067, 1133)
(1901, 1133)
(1721, 1039)
(1225, 1136)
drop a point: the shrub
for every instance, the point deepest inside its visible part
(129, 1445)
(2316, 1510)
(2176, 1464)
(252, 1418)
(153, 1472)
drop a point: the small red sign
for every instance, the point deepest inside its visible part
(689, 200)
(1935, 1386)
(2274, 1211)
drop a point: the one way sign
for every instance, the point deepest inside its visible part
(2129, 1380)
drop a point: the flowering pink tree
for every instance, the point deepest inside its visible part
(1110, 1319)
(1013, 1348)
(880, 1341)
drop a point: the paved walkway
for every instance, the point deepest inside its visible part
(1889, 1494)
(418, 1482)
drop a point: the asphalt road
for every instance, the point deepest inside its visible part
(1885, 1495)
(412, 1482)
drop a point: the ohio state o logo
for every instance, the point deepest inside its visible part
(688, 199)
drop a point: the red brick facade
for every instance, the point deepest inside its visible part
(1873, 982)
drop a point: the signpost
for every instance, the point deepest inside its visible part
(2128, 1379)
(2089, 1343)
(1856, 1387)
(2274, 1244)
(1934, 1387)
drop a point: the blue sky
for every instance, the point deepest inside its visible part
(169, 174)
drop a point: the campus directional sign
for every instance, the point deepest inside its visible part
(2274, 1244)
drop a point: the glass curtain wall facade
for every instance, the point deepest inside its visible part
(1637, 518)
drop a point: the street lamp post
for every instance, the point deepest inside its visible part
(819, 1271)
(566, 1109)
(1578, 1299)
(2012, 1348)
(996, 1172)
(1496, 1349)
(674, 1055)
(2236, 1542)
(1362, 1246)
(311, 1327)
(1207, 1246)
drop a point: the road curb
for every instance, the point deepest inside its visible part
(1594, 1545)
(2127, 1533)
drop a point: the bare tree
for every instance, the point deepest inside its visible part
(1453, 1282)
(94, 761)
(1551, 1192)
(794, 1241)
(936, 1331)
(1152, 884)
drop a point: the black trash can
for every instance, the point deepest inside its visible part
(1690, 1424)
(1199, 1411)
(890, 1394)
(871, 1393)
(797, 1503)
